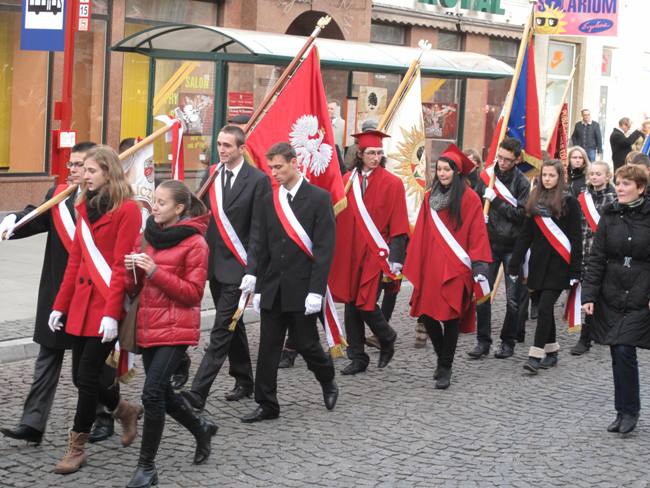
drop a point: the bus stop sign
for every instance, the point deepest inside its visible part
(43, 25)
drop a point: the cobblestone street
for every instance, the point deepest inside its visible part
(495, 426)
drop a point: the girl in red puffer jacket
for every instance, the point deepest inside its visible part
(171, 275)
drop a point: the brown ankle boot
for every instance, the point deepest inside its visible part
(128, 414)
(75, 457)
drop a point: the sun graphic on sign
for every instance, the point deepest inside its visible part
(550, 21)
(410, 162)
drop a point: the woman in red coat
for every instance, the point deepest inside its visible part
(91, 296)
(448, 253)
(170, 276)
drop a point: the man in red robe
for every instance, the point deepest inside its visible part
(371, 238)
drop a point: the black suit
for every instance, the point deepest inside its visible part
(242, 205)
(622, 145)
(286, 276)
(47, 368)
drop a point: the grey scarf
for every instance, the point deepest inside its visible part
(439, 198)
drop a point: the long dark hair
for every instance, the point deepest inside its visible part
(183, 196)
(456, 191)
(553, 199)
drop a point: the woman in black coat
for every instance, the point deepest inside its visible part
(616, 289)
(578, 168)
(549, 271)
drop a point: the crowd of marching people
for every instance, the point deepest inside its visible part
(579, 229)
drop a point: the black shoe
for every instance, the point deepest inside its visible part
(628, 423)
(103, 428)
(194, 399)
(521, 338)
(24, 433)
(144, 477)
(436, 373)
(533, 311)
(505, 351)
(480, 350)
(444, 378)
(532, 365)
(330, 394)
(580, 348)
(354, 367)
(287, 359)
(145, 474)
(259, 414)
(202, 429)
(386, 353)
(182, 373)
(239, 392)
(549, 361)
(614, 426)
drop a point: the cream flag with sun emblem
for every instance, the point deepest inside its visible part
(404, 148)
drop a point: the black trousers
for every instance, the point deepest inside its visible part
(444, 337)
(545, 331)
(389, 300)
(158, 396)
(223, 343)
(625, 368)
(274, 324)
(88, 360)
(355, 330)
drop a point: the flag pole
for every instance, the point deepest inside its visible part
(523, 47)
(559, 112)
(279, 84)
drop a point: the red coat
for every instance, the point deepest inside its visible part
(355, 271)
(78, 297)
(170, 301)
(443, 287)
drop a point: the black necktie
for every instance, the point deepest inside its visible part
(364, 183)
(226, 186)
(289, 198)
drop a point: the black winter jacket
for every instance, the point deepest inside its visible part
(617, 278)
(547, 269)
(505, 221)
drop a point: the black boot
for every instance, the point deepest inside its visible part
(182, 373)
(146, 474)
(549, 361)
(203, 430)
(532, 365)
(444, 378)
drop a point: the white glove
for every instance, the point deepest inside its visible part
(7, 227)
(489, 194)
(108, 327)
(487, 218)
(256, 302)
(573, 281)
(248, 284)
(54, 322)
(313, 303)
(395, 268)
(513, 277)
(480, 278)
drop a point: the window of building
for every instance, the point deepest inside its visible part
(188, 11)
(449, 41)
(606, 66)
(23, 99)
(388, 34)
(561, 59)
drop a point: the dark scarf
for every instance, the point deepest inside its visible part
(440, 197)
(168, 237)
(576, 173)
(96, 205)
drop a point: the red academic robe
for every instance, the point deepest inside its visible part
(443, 287)
(355, 272)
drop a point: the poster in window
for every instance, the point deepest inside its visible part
(440, 120)
(371, 104)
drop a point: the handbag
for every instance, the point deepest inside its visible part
(127, 331)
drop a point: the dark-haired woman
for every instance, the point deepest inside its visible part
(170, 275)
(449, 252)
(552, 232)
(91, 296)
(616, 289)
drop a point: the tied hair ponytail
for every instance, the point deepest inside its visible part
(193, 207)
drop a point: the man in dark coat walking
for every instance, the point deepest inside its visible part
(47, 368)
(621, 143)
(587, 135)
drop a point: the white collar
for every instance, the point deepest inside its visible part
(293, 190)
(366, 173)
(235, 170)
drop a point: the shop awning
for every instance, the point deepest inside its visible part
(202, 42)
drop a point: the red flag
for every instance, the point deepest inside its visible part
(492, 152)
(299, 116)
(559, 141)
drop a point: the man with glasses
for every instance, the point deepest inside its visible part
(504, 223)
(376, 206)
(47, 368)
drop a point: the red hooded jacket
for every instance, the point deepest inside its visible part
(170, 301)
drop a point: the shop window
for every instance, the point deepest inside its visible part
(449, 41)
(561, 59)
(388, 34)
(23, 99)
(372, 93)
(188, 11)
(440, 105)
(135, 90)
(606, 66)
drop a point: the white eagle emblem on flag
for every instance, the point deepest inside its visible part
(307, 139)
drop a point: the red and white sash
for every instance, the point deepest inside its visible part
(226, 230)
(297, 233)
(374, 240)
(589, 209)
(499, 188)
(560, 242)
(455, 251)
(63, 221)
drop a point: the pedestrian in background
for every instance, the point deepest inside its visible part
(617, 286)
(169, 275)
(621, 142)
(587, 135)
